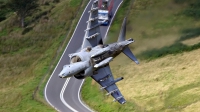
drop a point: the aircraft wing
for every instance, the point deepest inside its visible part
(105, 78)
(92, 33)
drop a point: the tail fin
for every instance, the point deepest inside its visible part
(122, 34)
(128, 53)
(122, 37)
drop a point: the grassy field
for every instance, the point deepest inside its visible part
(27, 53)
(167, 41)
(166, 37)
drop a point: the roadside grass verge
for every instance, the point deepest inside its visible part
(39, 94)
(27, 54)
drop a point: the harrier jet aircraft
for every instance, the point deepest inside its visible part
(93, 60)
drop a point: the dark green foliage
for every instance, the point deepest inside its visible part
(25, 59)
(56, 1)
(183, 1)
(173, 49)
(31, 36)
(74, 3)
(4, 10)
(190, 33)
(23, 8)
(177, 47)
(193, 10)
(36, 17)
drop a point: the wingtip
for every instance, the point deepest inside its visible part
(137, 62)
(123, 102)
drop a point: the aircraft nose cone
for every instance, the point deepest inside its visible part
(61, 75)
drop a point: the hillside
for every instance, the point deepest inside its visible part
(166, 35)
(167, 45)
(28, 55)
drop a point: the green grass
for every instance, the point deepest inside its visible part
(169, 82)
(43, 82)
(28, 55)
(173, 49)
(117, 21)
(97, 99)
(176, 99)
(3, 32)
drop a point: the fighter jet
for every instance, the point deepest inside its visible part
(94, 58)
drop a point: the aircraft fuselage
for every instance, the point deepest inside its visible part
(88, 60)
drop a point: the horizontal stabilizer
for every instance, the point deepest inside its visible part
(128, 53)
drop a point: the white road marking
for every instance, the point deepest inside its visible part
(67, 80)
(83, 80)
(62, 97)
(45, 91)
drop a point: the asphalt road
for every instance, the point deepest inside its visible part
(63, 94)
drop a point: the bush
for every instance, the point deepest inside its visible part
(190, 33)
(193, 10)
(176, 48)
(173, 49)
(4, 10)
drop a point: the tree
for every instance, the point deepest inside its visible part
(23, 8)
(4, 10)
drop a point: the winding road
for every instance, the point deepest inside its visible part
(64, 95)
